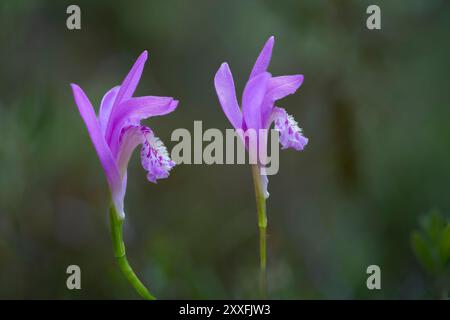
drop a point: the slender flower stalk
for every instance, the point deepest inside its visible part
(262, 225)
(115, 133)
(258, 113)
(119, 252)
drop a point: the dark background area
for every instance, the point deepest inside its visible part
(374, 104)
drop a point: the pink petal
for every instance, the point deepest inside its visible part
(226, 93)
(140, 108)
(132, 79)
(106, 159)
(106, 107)
(252, 99)
(263, 60)
(280, 87)
(132, 111)
(127, 88)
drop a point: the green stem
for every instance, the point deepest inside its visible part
(119, 251)
(262, 225)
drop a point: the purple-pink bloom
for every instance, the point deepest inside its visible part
(258, 102)
(116, 131)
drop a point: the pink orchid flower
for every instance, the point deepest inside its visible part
(117, 131)
(258, 103)
(257, 115)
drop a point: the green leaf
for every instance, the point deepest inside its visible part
(423, 252)
(444, 246)
(433, 224)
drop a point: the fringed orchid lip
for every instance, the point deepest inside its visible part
(290, 133)
(154, 157)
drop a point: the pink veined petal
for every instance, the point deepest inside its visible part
(291, 135)
(106, 159)
(263, 60)
(106, 107)
(252, 99)
(133, 110)
(226, 92)
(280, 87)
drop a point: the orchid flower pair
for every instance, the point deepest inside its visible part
(116, 132)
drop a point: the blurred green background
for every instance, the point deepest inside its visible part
(374, 104)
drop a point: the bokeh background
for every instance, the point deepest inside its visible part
(374, 104)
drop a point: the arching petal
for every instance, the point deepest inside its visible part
(106, 159)
(263, 60)
(106, 107)
(132, 111)
(280, 87)
(252, 99)
(140, 108)
(226, 92)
